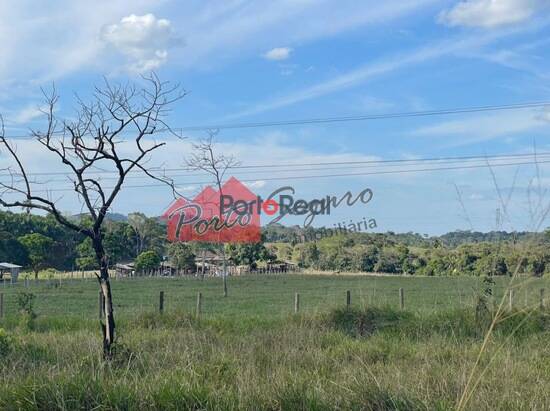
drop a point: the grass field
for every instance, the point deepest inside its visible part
(250, 351)
(265, 296)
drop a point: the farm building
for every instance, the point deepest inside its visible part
(11, 269)
(125, 269)
(282, 266)
(210, 263)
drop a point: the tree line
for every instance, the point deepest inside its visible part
(39, 242)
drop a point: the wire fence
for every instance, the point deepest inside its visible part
(260, 295)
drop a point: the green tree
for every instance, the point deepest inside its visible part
(248, 253)
(311, 255)
(181, 255)
(148, 260)
(500, 266)
(12, 250)
(283, 251)
(85, 255)
(537, 265)
(38, 248)
(148, 233)
(389, 261)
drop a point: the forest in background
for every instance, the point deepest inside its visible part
(38, 242)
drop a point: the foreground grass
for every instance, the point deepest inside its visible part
(373, 359)
(248, 351)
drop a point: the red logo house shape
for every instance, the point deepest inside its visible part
(200, 220)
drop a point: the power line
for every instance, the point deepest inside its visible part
(341, 119)
(331, 175)
(321, 120)
(321, 164)
(290, 170)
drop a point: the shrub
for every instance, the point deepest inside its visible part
(25, 305)
(6, 343)
(148, 260)
(361, 323)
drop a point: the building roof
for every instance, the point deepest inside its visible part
(208, 256)
(129, 266)
(9, 266)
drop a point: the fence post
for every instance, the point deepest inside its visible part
(101, 305)
(199, 304)
(542, 298)
(401, 299)
(161, 301)
(296, 302)
(511, 300)
(1, 305)
(348, 298)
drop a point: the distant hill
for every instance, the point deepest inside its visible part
(280, 233)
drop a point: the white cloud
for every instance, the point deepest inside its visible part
(256, 184)
(375, 69)
(278, 53)
(42, 42)
(45, 42)
(27, 114)
(187, 188)
(143, 39)
(475, 129)
(215, 32)
(476, 196)
(489, 13)
(544, 115)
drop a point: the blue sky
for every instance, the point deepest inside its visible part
(255, 61)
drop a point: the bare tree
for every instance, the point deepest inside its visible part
(91, 144)
(204, 158)
(145, 229)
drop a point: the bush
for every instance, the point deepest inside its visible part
(361, 323)
(25, 305)
(148, 260)
(6, 343)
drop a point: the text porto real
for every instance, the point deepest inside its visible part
(283, 202)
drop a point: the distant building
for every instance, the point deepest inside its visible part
(282, 266)
(125, 269)
(11, 269)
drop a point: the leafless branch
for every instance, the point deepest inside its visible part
(93, 140)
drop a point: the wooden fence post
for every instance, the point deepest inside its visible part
(161, 301)
(348, 298)
(101, 305)
(199, 304)
(1, 305)
(511, 300)
(401, 299)
(296, 302)
(542, 298)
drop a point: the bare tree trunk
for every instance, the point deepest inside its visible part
(203, 268)
(224, 272)
(108, 326)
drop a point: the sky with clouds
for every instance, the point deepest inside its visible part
(261, 61)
